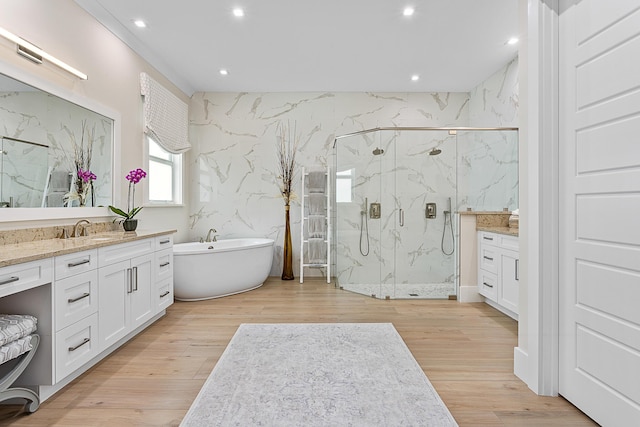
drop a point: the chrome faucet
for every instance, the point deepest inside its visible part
(77, 233)
(209, 238)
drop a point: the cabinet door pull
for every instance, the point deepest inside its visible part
(164, 242)
(488, 258)
(164, 264)
(487, 238)
(129, 281)
(75, 264)
(75, 347)
(401, 217)
(487, 285)
(517, 270)
(135, 278)
(83, 296)
(9, 280)
(165, 294)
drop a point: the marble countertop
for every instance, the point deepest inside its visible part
(510, 231)
(484, 212)
(31, 251)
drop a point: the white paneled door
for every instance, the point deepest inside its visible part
(599, 344)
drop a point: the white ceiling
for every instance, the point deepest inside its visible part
(317, 45)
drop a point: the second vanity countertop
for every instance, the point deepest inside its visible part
(509, 231)
(17, 253)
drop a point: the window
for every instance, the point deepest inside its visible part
(165, 175)
(343, 186)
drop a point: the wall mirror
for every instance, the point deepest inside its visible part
(45, 137)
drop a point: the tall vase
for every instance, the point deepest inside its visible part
(287, 254)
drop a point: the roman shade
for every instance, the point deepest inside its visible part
(166, 117)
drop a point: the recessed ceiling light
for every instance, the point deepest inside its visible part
(408, 11)
(224, 72)
(238, 12)
(140, 23)
(513, 40)
(415, 78)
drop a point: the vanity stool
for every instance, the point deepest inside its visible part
(18, 341)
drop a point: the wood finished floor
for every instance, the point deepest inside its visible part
(466, 350)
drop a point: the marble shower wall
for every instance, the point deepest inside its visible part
(45, 119)
(234, 186)
(488, 161)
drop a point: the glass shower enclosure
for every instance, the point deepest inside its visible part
(397, 194)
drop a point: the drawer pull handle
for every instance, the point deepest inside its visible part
(164, 264)
(488, 258)
(488, 285)
(165, 294)
(164, 242)
(75, 347)
(75, 264)
(83, 296)
(9, 280)
(488, 238)
(517, 270)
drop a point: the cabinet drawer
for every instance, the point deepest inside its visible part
(488, 238)
(164, 242)
(76, 297)
(165, 293)
(76, 345)
(509, 242)
(488, 285)
(20, 277)
(164, 264)
(108, 255)
(489, 258)
(75, 263)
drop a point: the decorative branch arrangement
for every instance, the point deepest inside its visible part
(287, 140)
(82, 163)
(287, 146)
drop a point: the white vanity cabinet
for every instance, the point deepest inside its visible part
(125, 289)
(498, 271)
(88, 302)
(163, 273)
(75, 296)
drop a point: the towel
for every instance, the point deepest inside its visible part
(317, 251)
(317, 182)
(317, 204)
(317, 227)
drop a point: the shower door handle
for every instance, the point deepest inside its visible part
(401, 217)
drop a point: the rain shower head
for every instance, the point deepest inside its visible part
(378, 151)
(435, 151)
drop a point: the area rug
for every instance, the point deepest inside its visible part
(332, 374)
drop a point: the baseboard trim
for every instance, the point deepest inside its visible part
(470, 294)
(520, 363)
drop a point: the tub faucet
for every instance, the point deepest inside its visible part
(209, 238)
(78, 233)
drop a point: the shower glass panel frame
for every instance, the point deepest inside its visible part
(412, 254)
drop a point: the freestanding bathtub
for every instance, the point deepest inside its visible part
(217, 269)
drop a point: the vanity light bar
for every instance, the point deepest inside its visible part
(33, 52)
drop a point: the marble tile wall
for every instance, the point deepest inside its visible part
(488, 161)
(234, 186)
(234, 165)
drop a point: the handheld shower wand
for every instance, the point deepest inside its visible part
(447, 213)
(364, 225)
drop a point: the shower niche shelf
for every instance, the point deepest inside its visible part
(315, 235)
